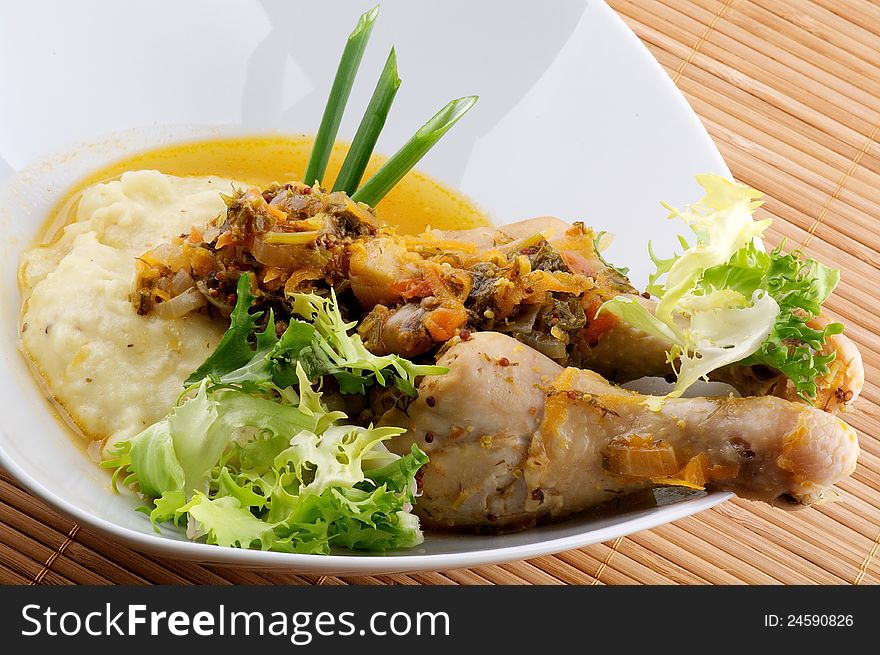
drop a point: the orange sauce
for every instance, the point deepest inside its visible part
(415, 203)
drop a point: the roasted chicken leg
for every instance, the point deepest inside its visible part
(515, 438)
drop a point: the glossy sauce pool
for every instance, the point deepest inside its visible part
(417, 202)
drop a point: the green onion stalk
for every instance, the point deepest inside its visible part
(339, 93)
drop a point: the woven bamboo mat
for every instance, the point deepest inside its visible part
(790, 92)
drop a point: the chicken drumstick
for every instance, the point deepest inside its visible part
(513, 438)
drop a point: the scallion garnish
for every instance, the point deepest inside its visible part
(339, 93)
(413, 150)
(371, 125)
(368, 132)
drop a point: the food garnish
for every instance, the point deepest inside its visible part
(252, 457)
(726, 300)
(402, 161)
(338, 98)
(358, 156)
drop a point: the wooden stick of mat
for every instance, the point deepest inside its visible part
(836, 193)
(38, 579)
(863, 569)
(693, 53)
(564, 571)
(605, 562)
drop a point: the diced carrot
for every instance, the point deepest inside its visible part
(272, 273)
(596, 327)
(279, 214)
(641, 457)
(444, 323)
(697, 472)
(201, 261)
(224, 240)
(195, 236)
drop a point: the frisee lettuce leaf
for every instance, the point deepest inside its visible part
(336, 352)
(251, 457)
(321, 343)
(234, 350)
(799, 286)
(725, 300)
(400, 472)
(722, 223)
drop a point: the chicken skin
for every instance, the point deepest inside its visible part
(514, 438)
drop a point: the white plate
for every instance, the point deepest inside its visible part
(575, 119)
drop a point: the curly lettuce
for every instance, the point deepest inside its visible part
(320, 342)
(725, 300)
(799, 286)
(251, 457)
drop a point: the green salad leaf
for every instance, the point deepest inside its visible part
(725, 300)
(336, 352)
(799, 286)
(251, 457)
(234, 350)
(322, 343)
(399, 473)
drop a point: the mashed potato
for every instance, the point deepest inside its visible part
(113, 371)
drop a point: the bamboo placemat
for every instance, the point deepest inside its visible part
(790, 92)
